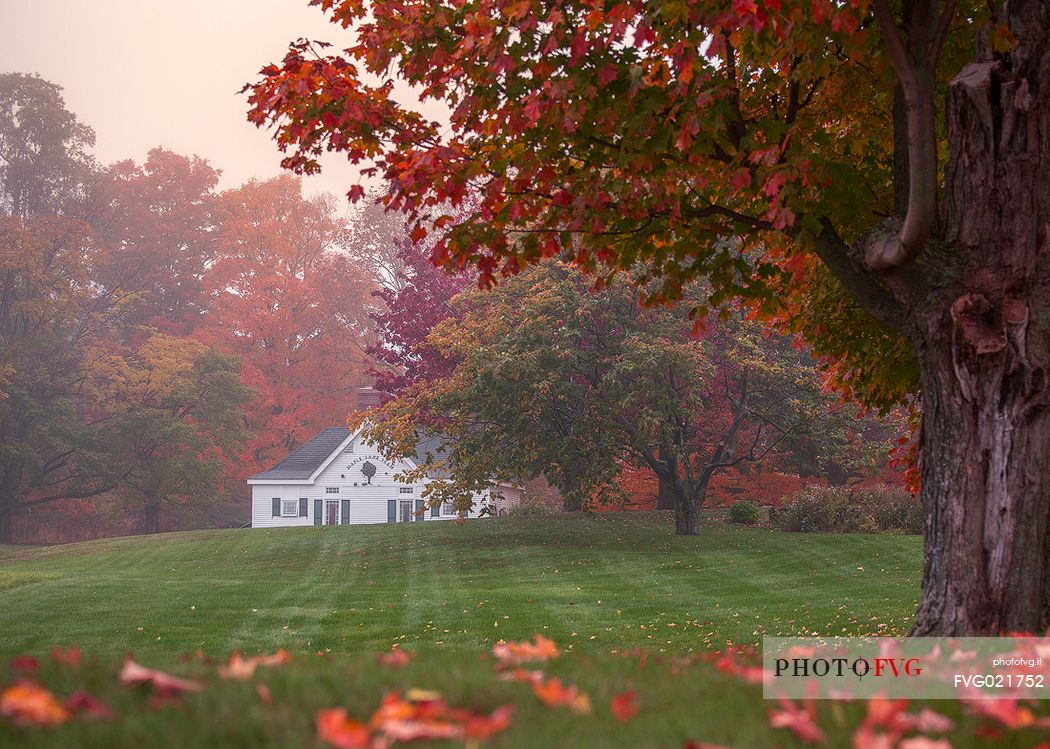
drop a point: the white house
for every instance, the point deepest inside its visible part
(337, 479)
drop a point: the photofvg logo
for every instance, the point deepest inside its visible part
(805, 666)
(914, 668)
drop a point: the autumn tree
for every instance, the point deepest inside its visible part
(44, 164)
(50, 316)
(292, 308)
(894, 149)
(156, 220)
(417, 301)
(376, 240)
(553, 378)
(51, 310)
(173, 422)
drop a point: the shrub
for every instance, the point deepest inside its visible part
(745, 513)
(838, 509)
(531, 507)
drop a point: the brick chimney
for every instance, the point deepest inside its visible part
(368, 398)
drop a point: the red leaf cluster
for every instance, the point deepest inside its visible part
(513, 653)
(242, 668)
(163, 684)
(417, 716)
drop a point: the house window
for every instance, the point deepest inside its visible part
(289, 508)
(447, 508)
(405, 490)
(331, 490)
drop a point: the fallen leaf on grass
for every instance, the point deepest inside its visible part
(513, 653)
(88, 706)
(729, 663)
(702, 745)
(24, 663)
(66, 656)
(164, 684)
(483, 727)
(396, 658)
(928, 721)
(265, 696)
(798, 721)
(922, 742)
(242, 668)
(520, 674)
(1004, 711)
(883, 724)
(624, 706)
(422, 695)
(421, 715)
(415, 730)
(336, 729)
(29, 704)
(553, 693)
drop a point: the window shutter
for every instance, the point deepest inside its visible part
(345, 512)
(391, 510)
(318, 511)
(304, 507)
(419, 510)
(435, 511)
(276, 507)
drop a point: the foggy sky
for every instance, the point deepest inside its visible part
(147, 73)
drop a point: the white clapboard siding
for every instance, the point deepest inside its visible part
(368, 498)
(262, 506)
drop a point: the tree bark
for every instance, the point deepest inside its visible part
(686, 515)
(688, 499)
(665, 499)
(7, 525)
(571, 500)
(985, 491)
(982, 334)
(151, 516)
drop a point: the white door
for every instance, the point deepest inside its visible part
(406, 510)
(331, 512)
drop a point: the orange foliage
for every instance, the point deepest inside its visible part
(293, 308)
(512, 653)
(758, 484)
(419, 715)
(29, 704)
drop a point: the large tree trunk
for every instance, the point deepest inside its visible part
(7, 525)
(665, 496)
(8, 506)
(665, 499)
(982, 333)
(151, 516)
(688, 499)
(985, 489)
(571, 499)
(686, 516)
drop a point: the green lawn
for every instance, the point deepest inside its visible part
(608, 581)
(601, 587)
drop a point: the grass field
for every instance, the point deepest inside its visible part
(601, 587)
(608, 581)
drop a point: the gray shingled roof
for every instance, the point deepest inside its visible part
(308, 457)
(433, 445)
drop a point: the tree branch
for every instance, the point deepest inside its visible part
(917, 86)
(869, 292)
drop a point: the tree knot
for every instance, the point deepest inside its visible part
(985, 325)
(881, 246)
